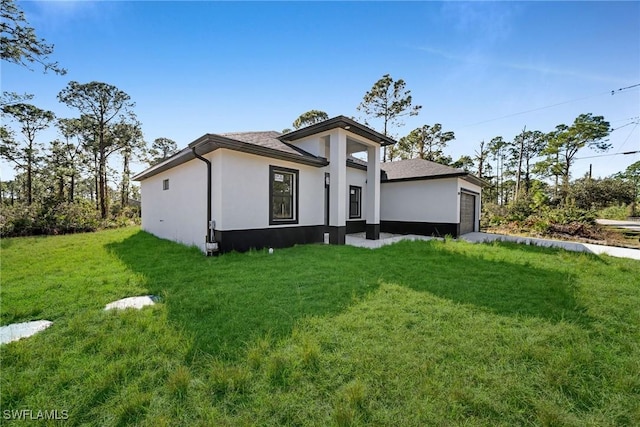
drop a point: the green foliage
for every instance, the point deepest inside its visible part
(60, 217)
(599, 193)
(568, 214)
(519, 336)
(426, 142)
(31, 120)
(619, 212)
(565, 142)
(309, 118)
(19, 42)
(388, 100)
(109, 122)
(464, 162)
(529, 214)
(161, 149)
(55, 218)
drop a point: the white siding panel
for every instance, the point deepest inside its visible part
(245, 201)
(435, 200)
(179, 213)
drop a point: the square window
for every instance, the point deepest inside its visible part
(165, 184)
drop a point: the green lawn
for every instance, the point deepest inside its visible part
(417, 333)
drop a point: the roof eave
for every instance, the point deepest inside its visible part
(426, 177)
(211, 142)
(463, 175)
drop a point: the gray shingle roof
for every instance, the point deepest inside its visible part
(417, 168)
(268, 139)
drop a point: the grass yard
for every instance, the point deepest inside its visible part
(417, 333)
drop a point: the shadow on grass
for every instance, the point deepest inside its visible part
(228, 301)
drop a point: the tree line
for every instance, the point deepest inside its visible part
(535, 166)
(69, 183)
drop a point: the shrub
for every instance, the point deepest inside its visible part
(620, 212)
(73, 217)
(48, 218)
(18, 220)
(519, 210)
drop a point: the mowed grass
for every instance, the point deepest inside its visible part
(417, 333)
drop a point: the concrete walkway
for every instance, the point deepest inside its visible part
(570, 246)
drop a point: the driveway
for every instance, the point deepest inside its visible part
(570, 246)
(629, 224)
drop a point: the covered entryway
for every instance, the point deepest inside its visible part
(467, 213)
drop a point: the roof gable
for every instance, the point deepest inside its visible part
(339, 122)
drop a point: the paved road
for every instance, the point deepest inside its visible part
(631, 225)
(570, 246)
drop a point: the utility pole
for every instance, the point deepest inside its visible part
(519, 164)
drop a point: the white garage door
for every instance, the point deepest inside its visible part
(467, 213)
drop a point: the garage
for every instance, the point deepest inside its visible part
(467, 212)
(421, 197)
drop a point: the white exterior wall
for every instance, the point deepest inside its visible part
(313, 144)
(179, 213)
(434, 200)
(358, 178)
(244, 202)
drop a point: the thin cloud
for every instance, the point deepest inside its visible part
(483, 60)
(57, 14)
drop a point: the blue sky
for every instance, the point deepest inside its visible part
(211, 67)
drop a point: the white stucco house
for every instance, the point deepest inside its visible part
(237, 191)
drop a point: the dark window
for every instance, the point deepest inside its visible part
(165, 184)
(355, 201)
(283, 192)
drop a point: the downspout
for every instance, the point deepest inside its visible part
(211, 245)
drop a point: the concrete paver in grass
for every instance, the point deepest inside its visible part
(16, 331)
(360, 239)
(132, 302)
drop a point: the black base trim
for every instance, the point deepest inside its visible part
(357, 226)
(258, 238)
(373, 231)
(337, 235)
(439, 229)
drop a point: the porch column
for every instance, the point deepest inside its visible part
(373, 193)
(338, 187)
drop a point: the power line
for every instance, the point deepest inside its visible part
(628, 136)
(608, 155)
(625, 125)
(612, 92)
(632, 119)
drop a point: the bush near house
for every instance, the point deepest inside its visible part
(51, 218)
